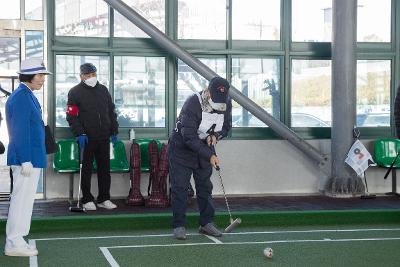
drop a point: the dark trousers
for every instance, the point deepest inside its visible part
(99, 150)
(180, 179)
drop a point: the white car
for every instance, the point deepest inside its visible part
(373, 120)
(298, 120)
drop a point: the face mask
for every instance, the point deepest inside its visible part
(91, 81)
(217, 106)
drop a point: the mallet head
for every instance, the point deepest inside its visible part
(233, 225)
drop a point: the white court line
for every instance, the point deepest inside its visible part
(33, 261)
(103, 237)
(166, 245)
(234, 233)
(315, 231)
(109, 257)
(261, 242)
(114, 263)
(216, 240)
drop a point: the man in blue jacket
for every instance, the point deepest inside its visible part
(204, 119)
(26, 154)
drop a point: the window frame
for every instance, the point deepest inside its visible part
(284, 49)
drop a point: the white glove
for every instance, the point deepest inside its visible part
(26, 168)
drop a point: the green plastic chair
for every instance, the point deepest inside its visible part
(118, 160)
(385, 151)
(144, 152)
(66, 160)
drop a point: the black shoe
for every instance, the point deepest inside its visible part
(210, 229)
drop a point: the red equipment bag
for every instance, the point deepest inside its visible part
(135, 197)
(158, 176)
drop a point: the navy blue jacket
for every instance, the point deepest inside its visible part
(185, 146)
(25, 129)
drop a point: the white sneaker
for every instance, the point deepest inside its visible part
(107, 205)
(24, 251)
(89, 206)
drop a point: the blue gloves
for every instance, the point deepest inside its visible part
(82, 141)
(114, 139)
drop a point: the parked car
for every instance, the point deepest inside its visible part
(298, 120)
(252, 122)
(373, 119)
(307, 120)
(360, 119)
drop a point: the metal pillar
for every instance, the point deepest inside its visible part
(173, 48)
(343, 182)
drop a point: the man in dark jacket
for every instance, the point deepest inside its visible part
(204, 119)
(92, 119)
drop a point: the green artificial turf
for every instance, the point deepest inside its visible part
(249, 219)
(166, 251)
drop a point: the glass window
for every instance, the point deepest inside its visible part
(311, 93)
(34, 44)
(202, 19)
(9, 65)
(373, 93)
(139, 91)
(5, 85)
(10, 10)
(153, 11)
(190, 82)
(67, 76)
(34, 9)
(9, 56)
(311, 20)
(4, 169)
(81, 18)
(373, 20)
(256, 20)
(258, 79)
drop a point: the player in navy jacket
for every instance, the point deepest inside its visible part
(204, 119)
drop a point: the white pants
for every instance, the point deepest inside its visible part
(21, 205)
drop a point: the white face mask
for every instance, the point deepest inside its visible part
(217, 106)
(92, 81)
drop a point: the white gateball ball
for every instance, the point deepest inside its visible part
(268, 252)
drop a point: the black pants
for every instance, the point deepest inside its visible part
(180, 179)
(99, 150)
